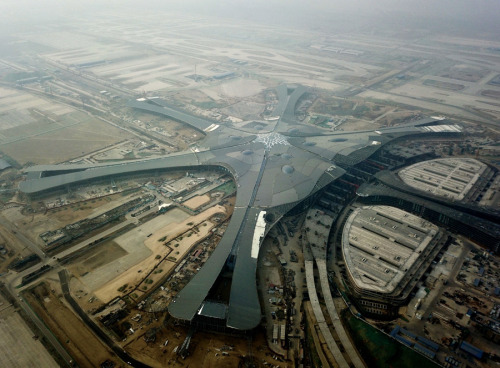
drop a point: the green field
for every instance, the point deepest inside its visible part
(380, 351)
(228, 188)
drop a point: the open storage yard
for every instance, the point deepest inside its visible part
(457, 302)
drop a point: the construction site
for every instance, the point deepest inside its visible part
(124, 278)
(201, 192)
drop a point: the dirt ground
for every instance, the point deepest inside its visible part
(13, 354)
(444, 85)
(82, 210)
(241, 88)
(194, 96)
(33, 225)
(8, 242)
(197, 201)
(64, 143)
(89, 351)
(490, 93)
(206, 350)
(134, 275)
(96, 257)
(13, 247)
(245, 110)
(354, 125)
(465, 74)
(181, 134)
(397, 117)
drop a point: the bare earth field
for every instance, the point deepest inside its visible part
(13, 354)
(84, 209)
(353, 125)
(97, 257)
(491, 93)
(244, 110)
(397, 117)
(206, 350)
(197, 201)
(30, 353)
(443, 85)
(465, 74)
(20, 107)
(64, 143)
(138, 267)
(68, 328)
(241, 88)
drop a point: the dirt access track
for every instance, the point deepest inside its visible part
(85, 348)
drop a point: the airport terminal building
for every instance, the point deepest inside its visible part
(457, 179)
(386, 251)
(278, 166)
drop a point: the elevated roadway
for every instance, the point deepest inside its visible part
(317, 235)
(334, 316)
(320, 317)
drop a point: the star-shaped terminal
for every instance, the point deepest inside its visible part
(272, 139)
(277, 165)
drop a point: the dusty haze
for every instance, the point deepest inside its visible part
(448, 16)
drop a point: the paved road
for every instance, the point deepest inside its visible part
(43, 329)
(13, 280)
(318, 235)
(332, 311)
(320, 318)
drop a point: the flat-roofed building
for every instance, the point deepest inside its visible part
(460, 179)
(386, 251)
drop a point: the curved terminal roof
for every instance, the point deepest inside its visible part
(276, 164)
(452, 178)
(381, 244)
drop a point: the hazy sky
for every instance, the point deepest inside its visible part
(453, 15)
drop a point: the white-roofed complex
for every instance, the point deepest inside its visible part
(444, 128)
(452, 178)
(258, 234)
(385, 251)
